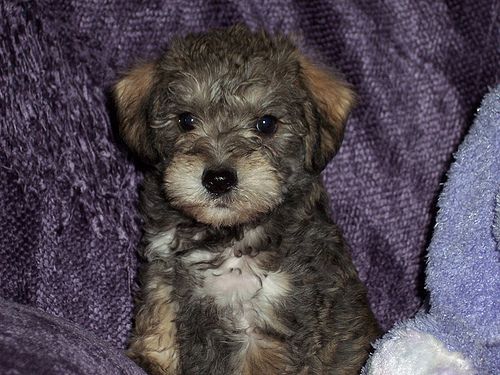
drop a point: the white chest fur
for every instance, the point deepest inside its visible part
(234, 280)
(238, 279)
(242, 285)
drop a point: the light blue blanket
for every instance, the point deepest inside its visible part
(459, 333)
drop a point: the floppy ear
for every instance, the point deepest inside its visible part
(332, 101)
(131, 95)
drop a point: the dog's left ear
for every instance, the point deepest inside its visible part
(332, 99)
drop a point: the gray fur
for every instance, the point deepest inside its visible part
(320, 321)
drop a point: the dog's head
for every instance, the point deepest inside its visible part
(235, 120)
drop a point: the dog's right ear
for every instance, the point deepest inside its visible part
(131, 96)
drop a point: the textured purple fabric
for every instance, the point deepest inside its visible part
(34, 342)
(68, 192)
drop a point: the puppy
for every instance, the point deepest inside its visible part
(245, 272)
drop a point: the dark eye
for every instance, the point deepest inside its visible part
(186, 121)
(266, 124)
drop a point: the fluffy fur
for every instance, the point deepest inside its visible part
(257, 280)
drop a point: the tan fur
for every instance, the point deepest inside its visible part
(130, 92)
(266, 355)
(154, 341)
(251, 198)
(335, 99)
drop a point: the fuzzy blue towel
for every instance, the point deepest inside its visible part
(460, 333)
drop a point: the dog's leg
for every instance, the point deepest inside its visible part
(352, 330)
(344, 358)
(263, 354)
(153, 345)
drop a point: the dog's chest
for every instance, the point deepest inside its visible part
(240, 285)
(230, 279)
(237, 279)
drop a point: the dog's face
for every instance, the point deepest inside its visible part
(235, 120)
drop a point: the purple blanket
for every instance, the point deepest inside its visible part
(34, 342)
(68, 194)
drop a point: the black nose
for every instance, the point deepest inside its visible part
(219, 181)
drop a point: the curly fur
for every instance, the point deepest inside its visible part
(255, 281)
